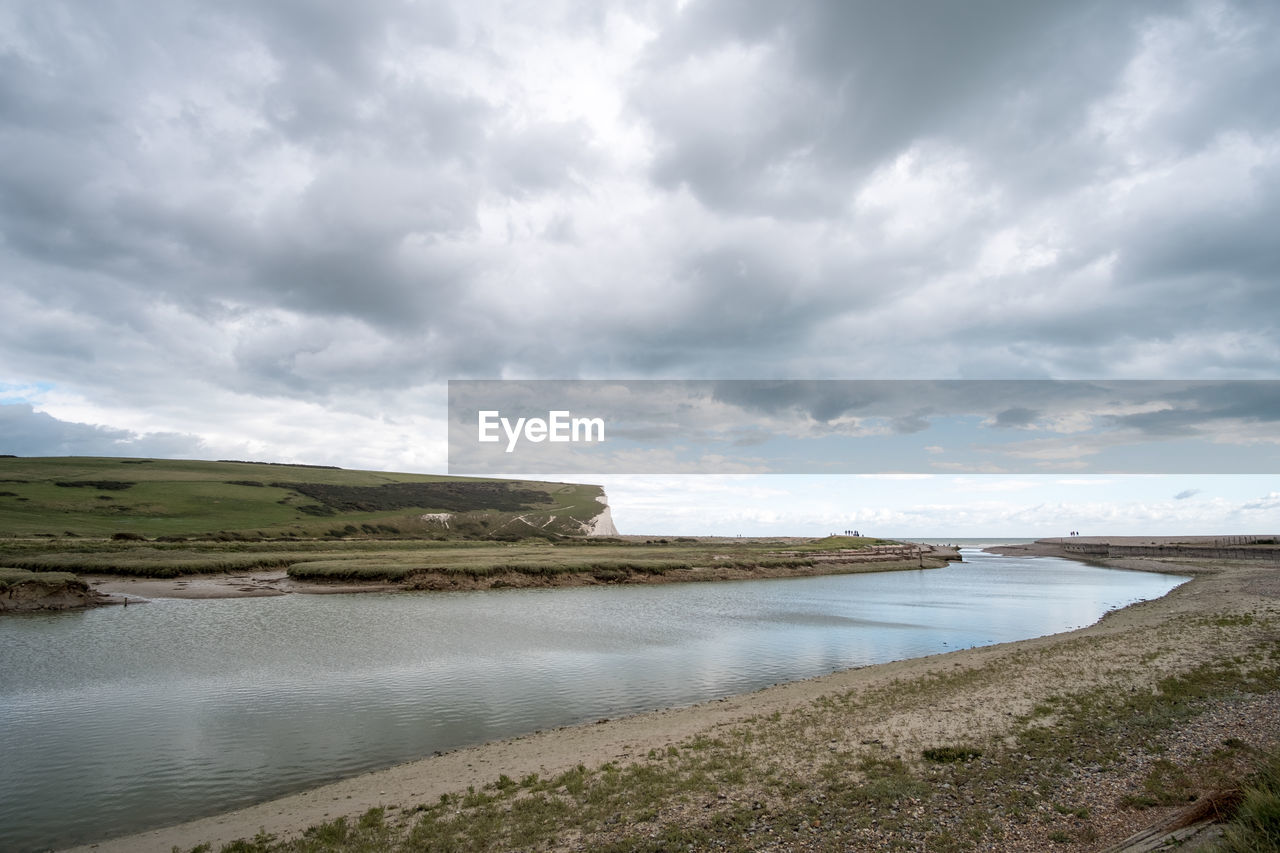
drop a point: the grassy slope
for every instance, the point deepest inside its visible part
(197, 498)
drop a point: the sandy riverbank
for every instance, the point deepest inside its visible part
(971, 695)
(226, 585)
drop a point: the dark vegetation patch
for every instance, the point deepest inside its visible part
(456, 497)
(243, 483)
(282, 464)
(526, 535)
(105, 485)
(951, 754)
(8, 494)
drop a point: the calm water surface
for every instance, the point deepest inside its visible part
(120, 719)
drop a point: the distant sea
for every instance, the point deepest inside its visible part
(972, 541)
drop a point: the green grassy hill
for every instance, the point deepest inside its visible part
(105, 497)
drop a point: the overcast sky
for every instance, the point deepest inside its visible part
(273, 230)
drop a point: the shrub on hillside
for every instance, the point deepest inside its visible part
(453, 496)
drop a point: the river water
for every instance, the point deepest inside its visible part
(120, 719)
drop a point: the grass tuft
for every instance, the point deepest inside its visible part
(1256, 824)
(950, 754)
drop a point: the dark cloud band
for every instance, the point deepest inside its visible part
(864, 427)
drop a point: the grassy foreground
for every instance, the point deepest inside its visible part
(1067, 743)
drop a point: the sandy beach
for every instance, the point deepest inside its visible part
(973, 696)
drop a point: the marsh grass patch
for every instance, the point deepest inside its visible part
(950, 754)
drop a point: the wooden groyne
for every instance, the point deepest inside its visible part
(880, 553)
(1259, 547)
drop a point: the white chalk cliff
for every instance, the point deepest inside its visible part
(602, 524)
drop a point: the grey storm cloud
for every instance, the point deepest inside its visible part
(26, 432)
(1018, 416)
(836, 87)
(1198, 406)
(853, 426)
(823, 401)
(339, 204)
(1151, 408)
